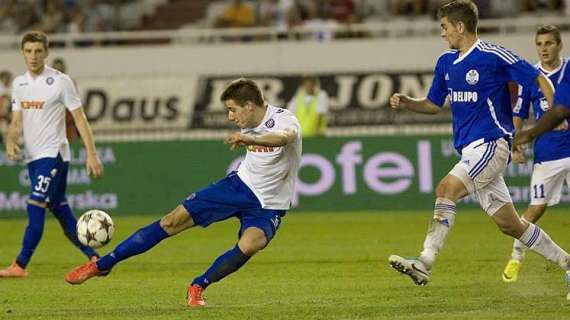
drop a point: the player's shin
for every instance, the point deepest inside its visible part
(519, 250)
(69, 225)
(224, 265)
(540, 242)
(32, 235)
(443, 218)
(139, 242)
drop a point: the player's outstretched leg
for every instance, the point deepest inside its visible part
(419, 269)
(139, 242)
(512, 269)
(252, 241)
(68, 223)
(32, 237)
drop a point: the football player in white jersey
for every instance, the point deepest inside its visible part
(258, 194)
(39, 100)
(551, 150)
(474, 75)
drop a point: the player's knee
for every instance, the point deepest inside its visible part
(169, 225)
(176, 221)
(445, 190)
(252, 246)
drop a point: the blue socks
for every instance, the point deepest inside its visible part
(139, 242)
(69, 225)
(32, 235)
(224, 265)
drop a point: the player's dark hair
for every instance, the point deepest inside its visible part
(550, 29)
(35, 36)
(242, 91)
(461, 11)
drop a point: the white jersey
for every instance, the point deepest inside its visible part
(43, 101)
(270, 172)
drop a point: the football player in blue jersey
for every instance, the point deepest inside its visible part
(551, 149)
(475, 76)
(554, 117)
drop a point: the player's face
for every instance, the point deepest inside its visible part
(547, 48)
(34, 55)
(242, 116)
(449, 33)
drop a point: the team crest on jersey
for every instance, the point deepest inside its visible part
(280, 110)
(49, 81)
(270, 123)
(472, 77)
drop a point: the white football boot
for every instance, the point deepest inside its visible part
(412, 267)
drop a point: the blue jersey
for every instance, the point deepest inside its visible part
(551, 145)
(562, 94)
(477, 86)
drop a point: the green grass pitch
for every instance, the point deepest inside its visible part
(319, 266)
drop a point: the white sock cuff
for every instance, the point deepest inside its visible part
(531, 235)
(444, 206)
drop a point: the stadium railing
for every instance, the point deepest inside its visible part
(380, 29)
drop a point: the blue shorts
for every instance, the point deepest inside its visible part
(230, 197)
(48, 177)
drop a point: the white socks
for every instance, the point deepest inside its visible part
(539, 241)
(443, 218)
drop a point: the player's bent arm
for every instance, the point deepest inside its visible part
(546, 87)
(423, 105)
(272, 139)
(14, 132)
(417, 105)
(518, 123)
(550, 120)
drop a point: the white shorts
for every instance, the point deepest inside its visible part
(547, 180)
(481, 171)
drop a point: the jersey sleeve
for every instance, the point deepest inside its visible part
(562, 93)
(519, 70)
(286, 120)
(16, 106)
(69, 95)
(523, 103)
(438, 90)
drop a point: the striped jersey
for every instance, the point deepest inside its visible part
(562, 94)
(477, 86)
(552, 145)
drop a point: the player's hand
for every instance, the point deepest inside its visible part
(237, 139)
(521, 138)
(518, 154)
(12, 150)
(399, 101)
(94, 166)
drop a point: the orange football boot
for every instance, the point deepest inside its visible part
(83, 273)
(13, 271)
(194, 296)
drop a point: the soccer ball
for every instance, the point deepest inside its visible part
(95, 228)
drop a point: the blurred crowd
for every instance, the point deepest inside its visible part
(57, 16)
(287, 13)
(76, 16)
